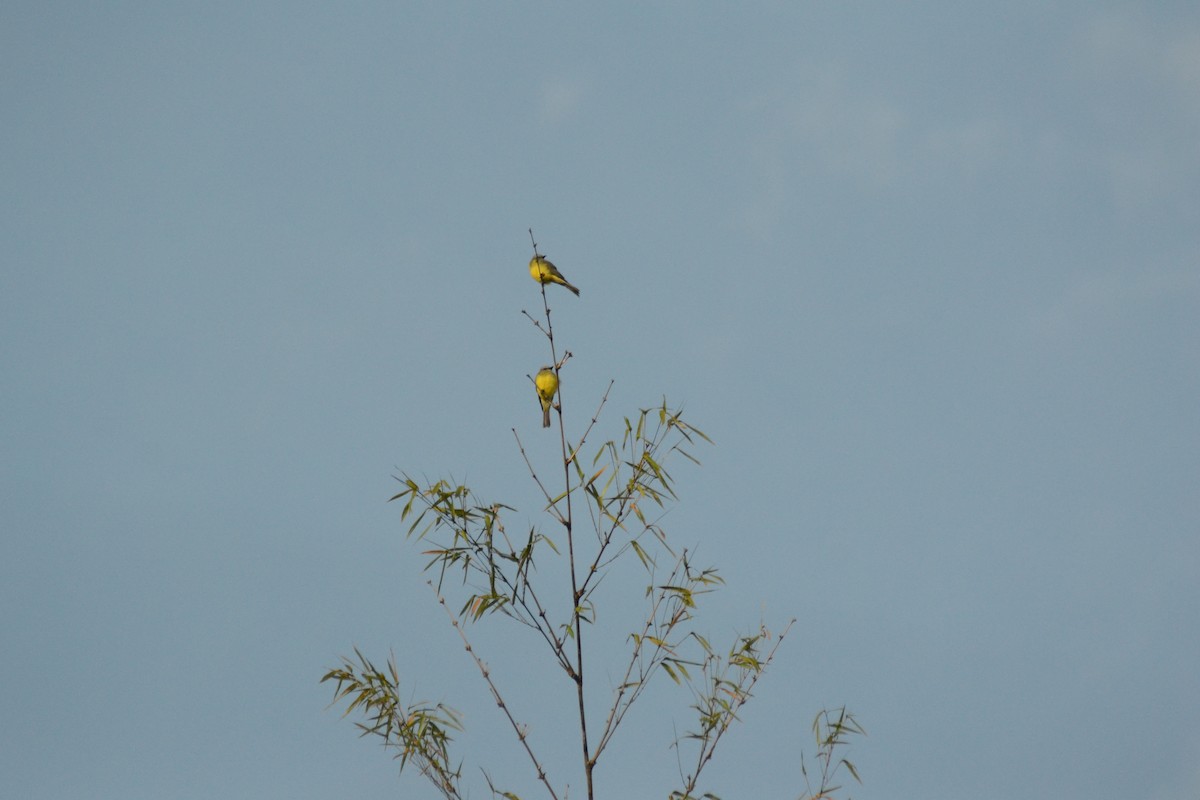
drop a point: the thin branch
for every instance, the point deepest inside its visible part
(617, 712)
(544, 627)
(483, 670)
(594, 420)
(710, 740)
(550, 504)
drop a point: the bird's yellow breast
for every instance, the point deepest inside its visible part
(547, 383)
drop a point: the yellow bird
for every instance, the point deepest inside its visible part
(544, 272)
(547, 385)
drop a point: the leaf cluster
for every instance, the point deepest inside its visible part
(419, 731)
(832, 729)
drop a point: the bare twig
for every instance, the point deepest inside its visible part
(483, 670)
(635, 687)
(550, 502)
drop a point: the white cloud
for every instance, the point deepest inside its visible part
(826, 127)
(799, 135)
(1096, 301)
(1118, 110)
(1130, 42)
(970, 147)
(558, 99)
(1143, 76)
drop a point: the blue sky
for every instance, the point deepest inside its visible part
(927, 273)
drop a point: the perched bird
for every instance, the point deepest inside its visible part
(544, 272)
(547, 385)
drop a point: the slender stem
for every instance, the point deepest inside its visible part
(520, 731)
(536, 479)
(576, 595)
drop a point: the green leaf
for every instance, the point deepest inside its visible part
(642, 555)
